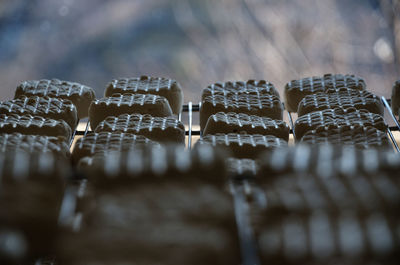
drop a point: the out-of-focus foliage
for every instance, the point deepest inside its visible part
(198, 42)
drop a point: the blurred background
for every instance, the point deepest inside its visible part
(198, 42)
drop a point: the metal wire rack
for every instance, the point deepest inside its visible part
(240, 190)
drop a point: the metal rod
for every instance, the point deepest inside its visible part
(180, 115)
(195, 107)
(193, 132)
(200, 132)
(291, 125)
(389, 109)
(393, 140)
(71, 141)
(86, 128)
(247, 242)
(190, 124)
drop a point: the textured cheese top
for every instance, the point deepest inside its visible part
(168, 88)
(268, 105)
(33, 143)
(221, 121)
(242, 145)
(119, 104)
(344, 91)
(323, 238)
(18, 166)
(242, 119)
(130, 100)
(53, 88)
(28, 124)
(268, 141)
(304, 193)
(79, 94)
(134, 123)
(338, 117)
(161, 129)
(317, 84)
(239, 87)
(55, 108)
(296, 90)
(150, 163)
(141, 84)
(326, 160)
(93, 143)
(245, 101)
(321, 101)
(265, 105)
(37, 105)
(360, 137)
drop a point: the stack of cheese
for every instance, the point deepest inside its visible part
(337, 109)
(148, 199)
(153, 204)
(134, 111)
(35, 130)
(328, 204)
(244, 117)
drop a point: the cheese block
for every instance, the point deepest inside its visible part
(47, 107)
(315, 193)
(92, 143)
(231, 88)
(324, 238)
(33, 143)
(32, 188)
(36, 125)
(242, 145)
(152, 162)
(156, 187)
(296, 90)
(322, 101)
(306, 193)
(119, 104)
(231, 122)
(164, 87)
(263, 105)
(327, 160)
(172, 200)
(79, 94)
(160, 129)
(353, 135)
(338, 117)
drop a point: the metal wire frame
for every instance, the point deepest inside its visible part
(394, 128)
